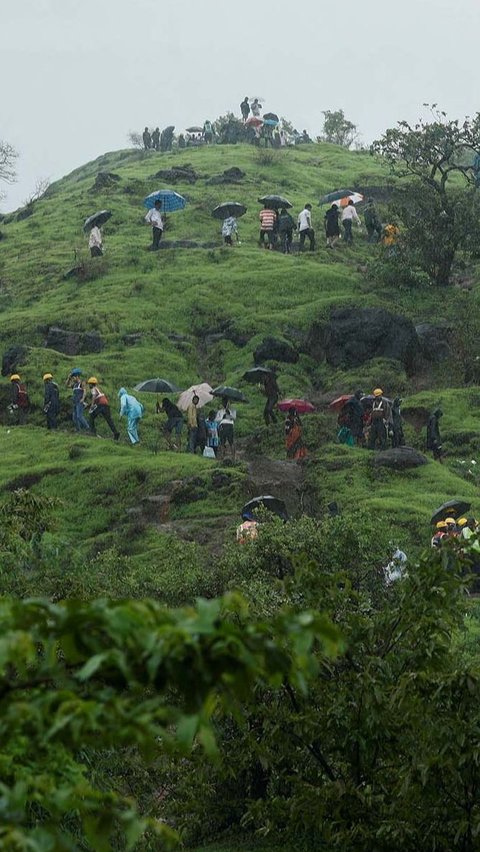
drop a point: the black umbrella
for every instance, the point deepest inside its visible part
(275, 202)
(229, 393)
(273, 504)
(257, 374)
(97, 219)
(271, 116)
(229, 208)
(157, 386)
(455, 508)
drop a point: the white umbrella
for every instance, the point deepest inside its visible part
(203, 391)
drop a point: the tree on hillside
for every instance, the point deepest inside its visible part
(338, 129)
(8, 156)
(433, 157)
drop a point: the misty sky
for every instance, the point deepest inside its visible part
(78, 76)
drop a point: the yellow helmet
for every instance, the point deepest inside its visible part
(441, 525)
(378, 392)
(92, 381)
(15, 377)
(462, 521)
(450, 521)
(47, 376)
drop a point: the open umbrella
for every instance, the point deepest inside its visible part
(257, 375)
(339, 402)
(275, 202)
(271, 116)
(229, 393)
(254, 121)
(194, 129)
(171, 200)
(455, 508)
(273, 504)
(202, 390)
(302, 406)
(97, 219)
(270, 122)
(157, 386)
(260, 100)
(229, 208)
(341, 196)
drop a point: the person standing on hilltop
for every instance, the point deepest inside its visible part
(245, 109)
(208, 132)
(147, 139)
(305, 227)
(349, 216)
(155, 219)
(156, 139)
(51, 401)
(256, 108)
(100, 408)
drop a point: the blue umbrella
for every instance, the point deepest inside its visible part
(270, 122)
(171, 200)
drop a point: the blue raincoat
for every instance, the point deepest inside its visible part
(132, 409)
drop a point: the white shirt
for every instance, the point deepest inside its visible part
(226, 417)
(154, 218)
(349, 212)
(95, 239)
(304, 220)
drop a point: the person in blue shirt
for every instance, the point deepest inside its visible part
(212, 431)
(133, 410)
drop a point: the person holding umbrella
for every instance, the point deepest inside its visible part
(294, 445)
(286, 226)
(229, 228)
(95, 242)
(268, 222)
(349, 216)
(155, 219)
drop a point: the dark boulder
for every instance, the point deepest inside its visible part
(353, 336)
(105, 180)
(274, 349)
(400, 458)
(132, 339)
(72, 342)
(13, 358)
(434, 341)
(232, 175)
(178, 174)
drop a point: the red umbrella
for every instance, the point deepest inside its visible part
(338, 403)
(302, 406)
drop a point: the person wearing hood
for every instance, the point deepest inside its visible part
(133, 410)
(354, 412)
(434, 441)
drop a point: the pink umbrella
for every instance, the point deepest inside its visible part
(302, 406)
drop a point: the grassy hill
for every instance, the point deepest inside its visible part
(198, 314)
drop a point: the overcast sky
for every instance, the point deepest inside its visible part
(78, 75)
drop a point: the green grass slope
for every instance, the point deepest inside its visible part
(201, 312)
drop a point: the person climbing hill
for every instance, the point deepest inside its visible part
(51, 401)
(100, 408)
(133, 410)
(20, 402)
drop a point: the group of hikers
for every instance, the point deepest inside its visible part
(371, 421)
(210, 434)
(452, 528)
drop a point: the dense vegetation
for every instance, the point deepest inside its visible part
(301, 701)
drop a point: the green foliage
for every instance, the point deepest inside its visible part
(79, 676)
(338, 129)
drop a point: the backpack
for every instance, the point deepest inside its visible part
(378, 412)
(23, 400)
